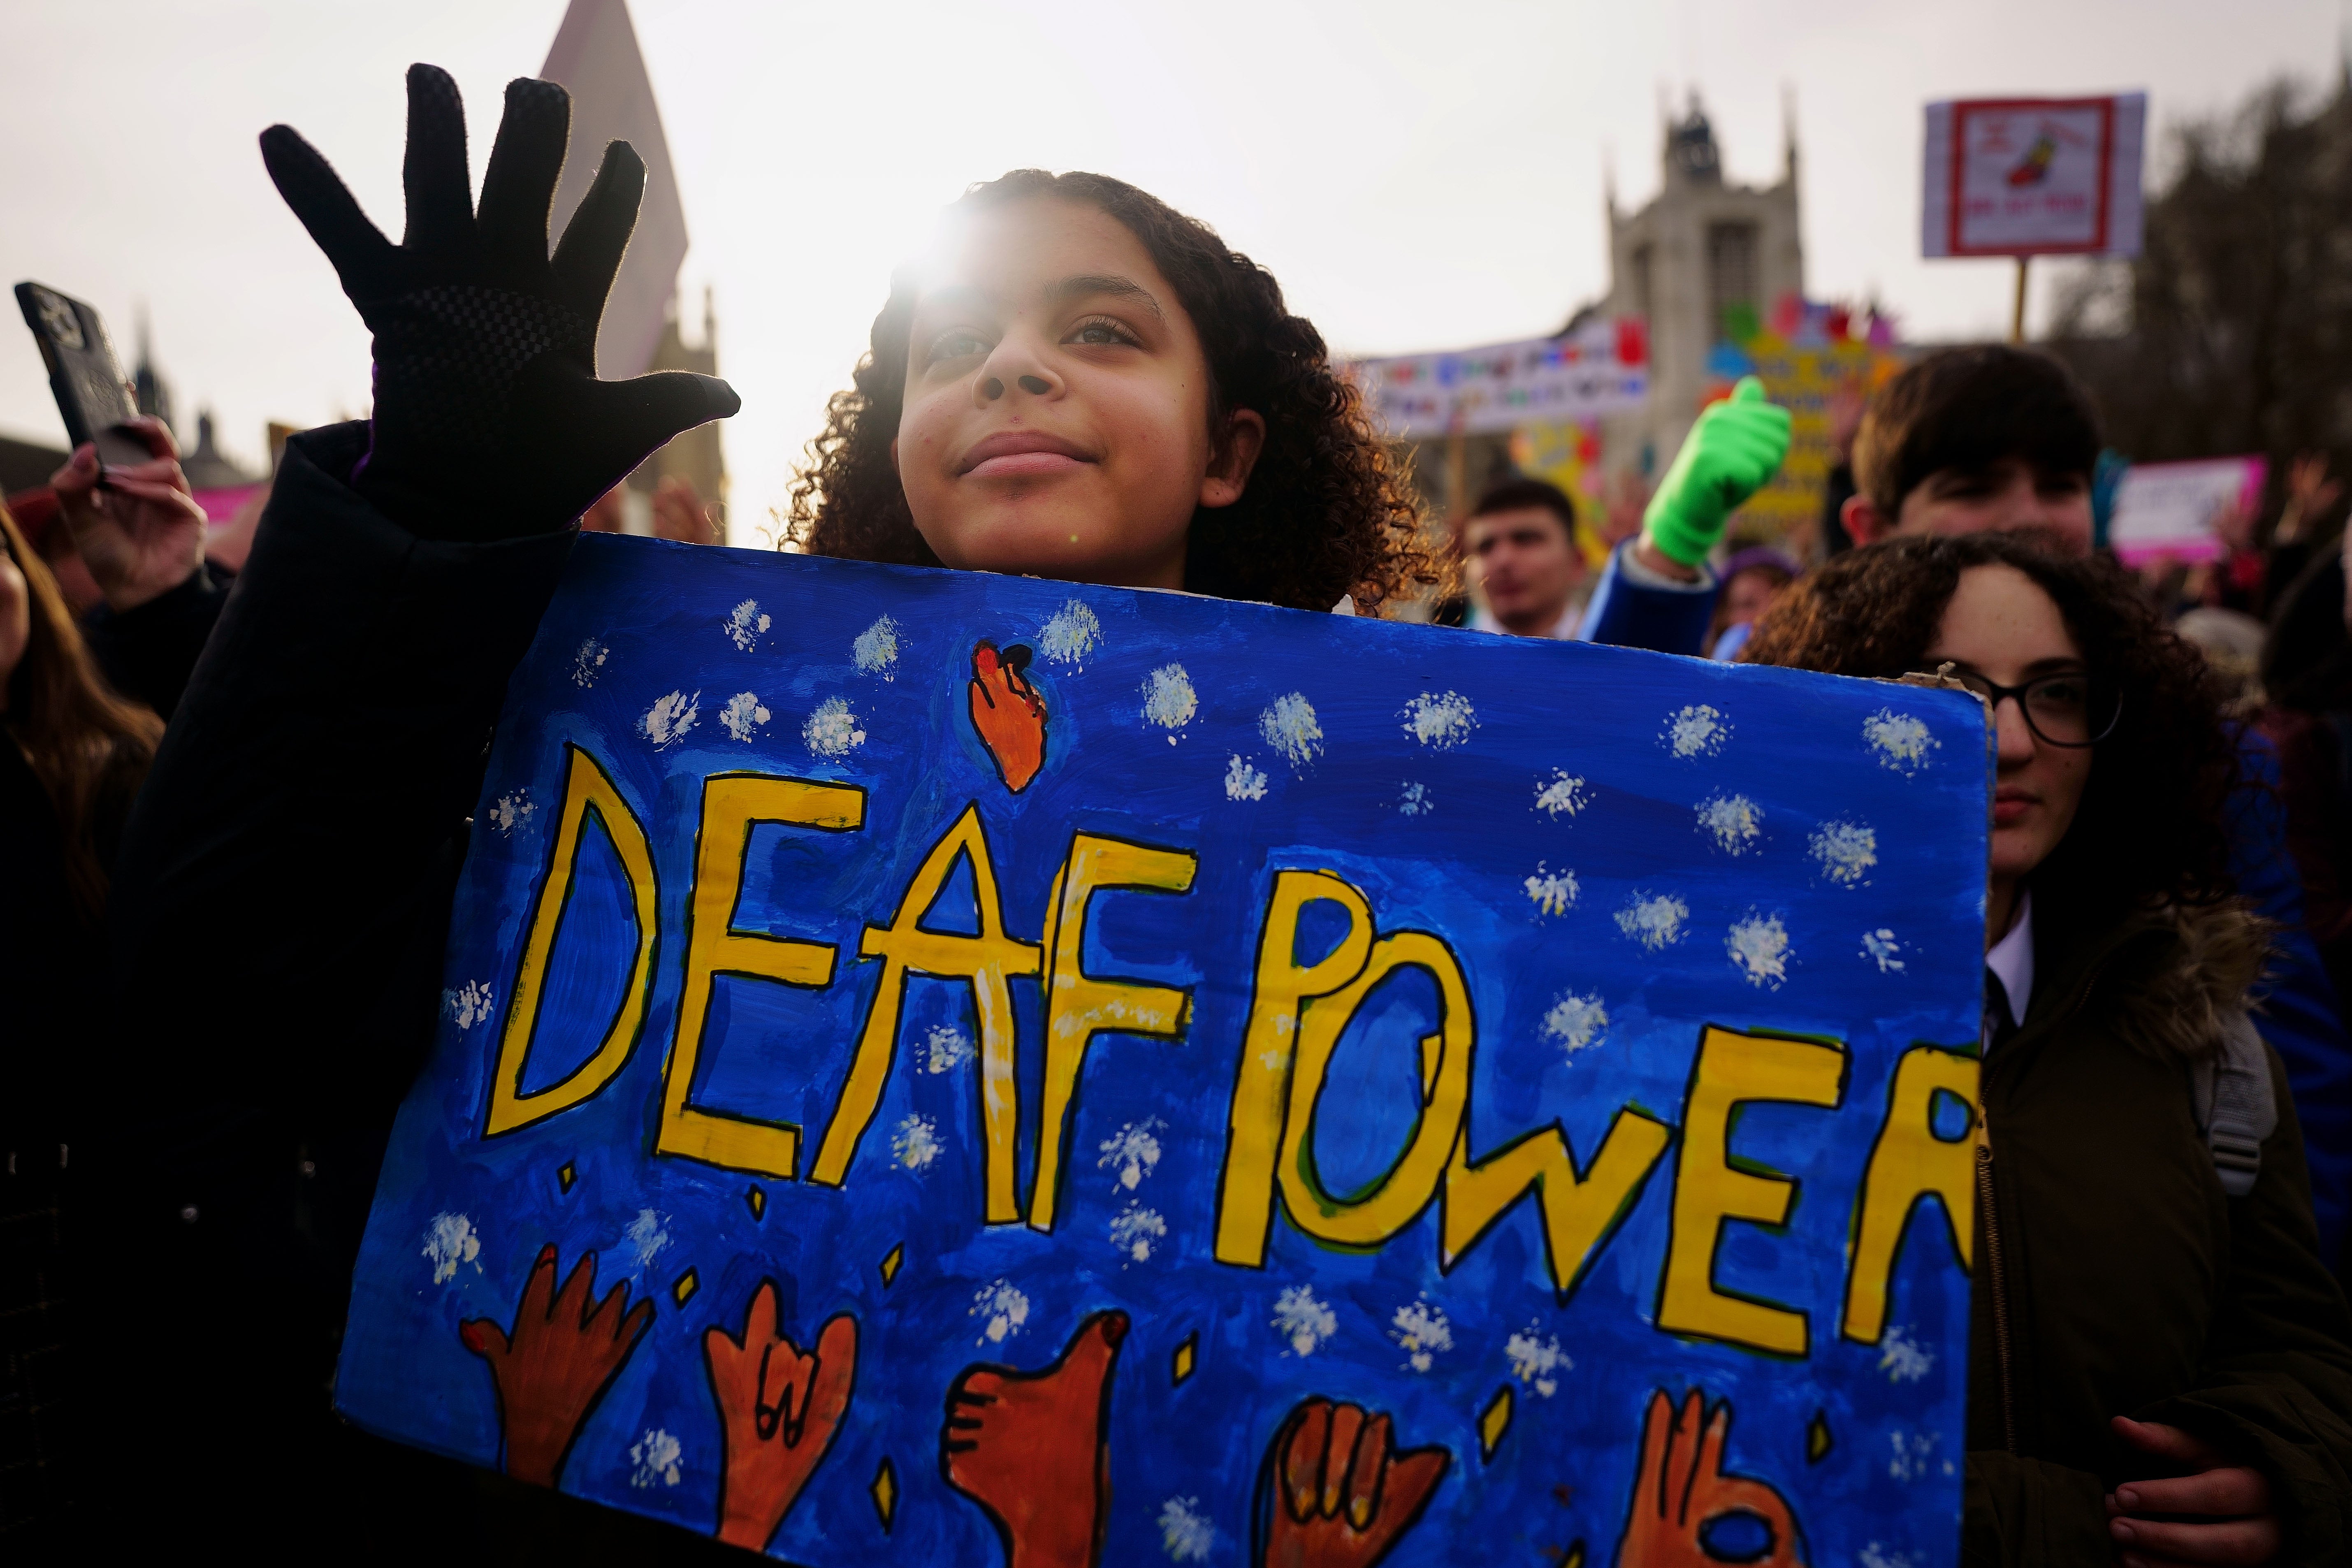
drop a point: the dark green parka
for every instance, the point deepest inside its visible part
(2116, 1276)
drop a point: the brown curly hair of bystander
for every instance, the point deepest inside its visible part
(1326, 512)
(2151, 828)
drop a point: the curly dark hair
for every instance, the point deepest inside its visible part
(1326, 512)
(2150, 829)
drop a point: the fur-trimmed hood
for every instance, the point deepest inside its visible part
(2187, 970)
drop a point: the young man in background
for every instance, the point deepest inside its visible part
(1523, 552)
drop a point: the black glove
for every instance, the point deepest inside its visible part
(489, 421)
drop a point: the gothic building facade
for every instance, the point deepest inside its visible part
(1703, 261)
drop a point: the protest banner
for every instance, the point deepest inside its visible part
(938, 1064)
(2033, 176)
(2176, 509)
(1567, 453)
(1598, 369)
(1821, 361)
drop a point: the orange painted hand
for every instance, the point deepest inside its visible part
(779, 1411)
(1343, 1497)
(1681, 1489)
(561, 1358)
(1008, 713)
(1031, 1447)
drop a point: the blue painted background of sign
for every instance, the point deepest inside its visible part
(1620, 850)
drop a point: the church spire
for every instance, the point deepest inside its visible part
(1789, 131)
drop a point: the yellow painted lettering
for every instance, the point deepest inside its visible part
(1735, 1069)
(1080, 1007)
(1909, 1165)
(1402, 1191)
(731, 805)
(987, 961)
(1580, 1211)
(1281, 988)
(587, 789)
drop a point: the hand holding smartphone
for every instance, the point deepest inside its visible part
(134, 523)
(84, 375)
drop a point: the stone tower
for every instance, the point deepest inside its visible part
(1703, 254)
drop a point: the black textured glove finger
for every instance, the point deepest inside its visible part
(519, 188)
(432, 176)
(599, 231)
(556, 402)
(489, 420)
(326, 207)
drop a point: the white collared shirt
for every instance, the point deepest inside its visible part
(2009, 963)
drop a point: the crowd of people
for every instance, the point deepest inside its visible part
(237, 800)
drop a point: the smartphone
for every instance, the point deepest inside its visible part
(83, 375)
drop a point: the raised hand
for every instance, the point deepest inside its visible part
(489, 421)
(1008, 713)
(1681, 1489)
(557, 1363)
(1033, 1448)
(2214, 1511)
(137, 528)
(1341, 1496)
(1730, 454)
(779, 1411)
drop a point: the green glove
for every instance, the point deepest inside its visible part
(1730, 454)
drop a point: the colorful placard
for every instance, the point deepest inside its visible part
(943, 1068)
(1599, 368)
(2034, 177)
(2176, 510)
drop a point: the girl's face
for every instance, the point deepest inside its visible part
(1056, 415)
(2001, 625)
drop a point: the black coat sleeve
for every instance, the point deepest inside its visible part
(146, 653)
(283, 888)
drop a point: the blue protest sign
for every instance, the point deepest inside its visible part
(958, 1066)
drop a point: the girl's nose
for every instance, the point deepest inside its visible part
(1014, 365)
(2014, 737)
(1037, 385)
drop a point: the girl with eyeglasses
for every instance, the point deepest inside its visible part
(2160, 1367)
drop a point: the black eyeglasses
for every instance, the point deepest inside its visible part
(2075, 708)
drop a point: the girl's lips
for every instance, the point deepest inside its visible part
(1022, 453)
(2008, 807)
(1023, 465)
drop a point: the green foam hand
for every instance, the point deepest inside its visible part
(1736, 447)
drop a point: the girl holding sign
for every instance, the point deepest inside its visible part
(1080, 383)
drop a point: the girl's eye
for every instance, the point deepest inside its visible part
(956, 342)
(1100, 331)
(2067, 693)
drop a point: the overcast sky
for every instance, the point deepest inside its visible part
(1419, 176)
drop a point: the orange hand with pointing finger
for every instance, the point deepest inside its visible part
(1008, 713)
(1343, 1495)
(779, 1410)
(1681, 1489)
